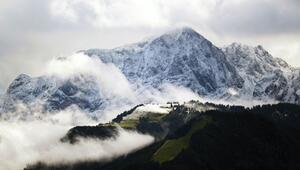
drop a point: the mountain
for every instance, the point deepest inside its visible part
(205, 136)
(265, 77)
(183, 57)
(180, 57)
(52, 93)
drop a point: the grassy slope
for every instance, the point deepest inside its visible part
(133, 123)
(171, 148)
(129, 124)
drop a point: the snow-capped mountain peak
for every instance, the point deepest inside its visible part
(181, 57)
(183, 32)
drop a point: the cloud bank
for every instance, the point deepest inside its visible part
(24, 142)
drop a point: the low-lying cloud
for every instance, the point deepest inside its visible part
(37, 138)
(109, 78)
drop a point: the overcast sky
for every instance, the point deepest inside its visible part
(33, 31)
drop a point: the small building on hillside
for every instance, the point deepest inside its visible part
(173, 104)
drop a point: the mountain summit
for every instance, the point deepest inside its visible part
(183, 33)
(181, 57)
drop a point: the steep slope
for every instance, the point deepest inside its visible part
(181, 57)
(265, 77)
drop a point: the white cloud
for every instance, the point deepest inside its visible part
(105, 13)
(64, 9)
(234, 16)
(167, 93)
(110, 79)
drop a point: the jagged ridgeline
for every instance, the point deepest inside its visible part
(181, 57)
(205, 136)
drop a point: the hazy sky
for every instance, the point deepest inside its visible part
(33, 31)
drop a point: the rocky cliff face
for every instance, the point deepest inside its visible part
(53, 93)
(265, 77)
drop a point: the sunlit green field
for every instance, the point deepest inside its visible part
(171, 148)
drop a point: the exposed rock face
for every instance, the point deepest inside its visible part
(53, 93)
(265, 77)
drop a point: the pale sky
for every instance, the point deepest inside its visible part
(34, 31)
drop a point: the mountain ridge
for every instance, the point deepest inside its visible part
(181, 57)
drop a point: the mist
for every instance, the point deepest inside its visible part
(109, 78)
(24, 142)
